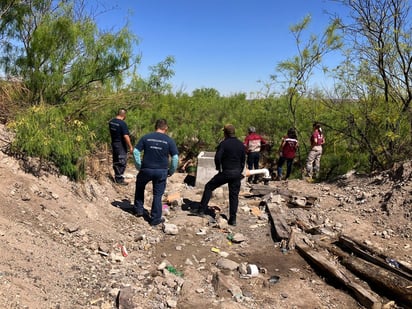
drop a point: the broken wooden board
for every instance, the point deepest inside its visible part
(393, 285)
(364, 295)
(374, 257)
(267, 191)
(292, 239)
(280, 225)
(261, 190)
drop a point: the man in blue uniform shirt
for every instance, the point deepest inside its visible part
(120, 136)
(155, 167)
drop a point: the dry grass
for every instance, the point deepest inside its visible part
(12, 98)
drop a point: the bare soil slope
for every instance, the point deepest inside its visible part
(60, 242)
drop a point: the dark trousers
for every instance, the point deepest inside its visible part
(119, 162)
(253, 160)
(158, 177)
(289, 163)
(232, 178)
(253, 163)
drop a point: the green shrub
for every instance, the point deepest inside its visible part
(48, 133)
(68, 134)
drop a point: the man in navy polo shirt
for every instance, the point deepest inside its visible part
(119, 133)
(155, 167)
(229, 160)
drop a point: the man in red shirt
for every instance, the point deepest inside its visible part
(253, 143)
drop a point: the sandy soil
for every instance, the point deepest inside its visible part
(60, 242)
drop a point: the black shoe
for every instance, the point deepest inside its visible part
(201, 211)
(162, 220)
(198, 211)
(137, 213)
(232, 221)
(121, 182)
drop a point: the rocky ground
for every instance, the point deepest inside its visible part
(61, 242)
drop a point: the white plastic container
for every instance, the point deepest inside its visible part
(252, 270)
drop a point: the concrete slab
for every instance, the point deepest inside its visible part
(205, 168)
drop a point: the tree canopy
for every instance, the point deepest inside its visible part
(58, 51)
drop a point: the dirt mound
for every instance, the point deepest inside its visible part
(398, 200)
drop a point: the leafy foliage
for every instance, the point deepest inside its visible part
(71, 82)
(46, 132)
(59, 53)
(377, 77)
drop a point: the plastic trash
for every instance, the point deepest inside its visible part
(252, 270)
(274, 279)
(216, 250)
(123, 250)
(173, 270)
(392, 263)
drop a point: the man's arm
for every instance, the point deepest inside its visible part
(263, 141)
(243, 161)
(137, 159)
(218, 157)
(129, 144)
(246, 141)
(173, 165)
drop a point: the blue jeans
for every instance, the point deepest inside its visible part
(289, 163)
(253, 163)
(253, 160)
(158, 178)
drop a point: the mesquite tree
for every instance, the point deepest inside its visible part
(377, 77)
(298, 70)
(57, 50)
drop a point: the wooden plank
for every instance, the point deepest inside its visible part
(376, 258)
(281, 227)
(393, 285)
(292, 239)
(261, 190)
(363, 295)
